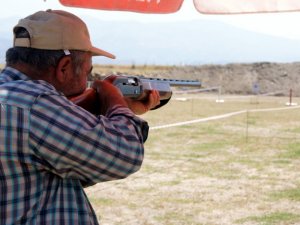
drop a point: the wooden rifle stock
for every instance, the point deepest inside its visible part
(87, 100)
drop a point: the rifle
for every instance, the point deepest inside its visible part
(137, 88)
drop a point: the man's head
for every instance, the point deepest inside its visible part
(56, 30)
(54, 45)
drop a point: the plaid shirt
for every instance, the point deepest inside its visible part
(50, 149)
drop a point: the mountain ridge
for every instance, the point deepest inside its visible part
(179, 43)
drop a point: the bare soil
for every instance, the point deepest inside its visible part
(241, 170)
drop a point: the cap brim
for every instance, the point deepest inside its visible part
(100, 52)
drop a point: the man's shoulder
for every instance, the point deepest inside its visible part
(16, 89)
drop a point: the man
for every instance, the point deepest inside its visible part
(50, 148)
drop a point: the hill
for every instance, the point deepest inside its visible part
(242, 79)
(263, 78)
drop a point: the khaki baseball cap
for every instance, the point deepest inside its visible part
(57, 30)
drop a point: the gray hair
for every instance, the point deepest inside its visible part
(43, 59)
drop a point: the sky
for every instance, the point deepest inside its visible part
(279, 24)
(221, 50)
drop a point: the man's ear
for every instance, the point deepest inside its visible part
(64, 69)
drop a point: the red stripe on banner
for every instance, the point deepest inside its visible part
(142, 6)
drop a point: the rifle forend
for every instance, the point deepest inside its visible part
(138, 87)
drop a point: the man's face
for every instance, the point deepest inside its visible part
(77, 82)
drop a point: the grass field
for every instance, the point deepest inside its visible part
(243, 169)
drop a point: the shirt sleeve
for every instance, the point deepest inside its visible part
(73, 143)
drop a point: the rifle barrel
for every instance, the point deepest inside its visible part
(174, 82)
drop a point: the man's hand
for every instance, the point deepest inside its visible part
(142, 106)
(139, 107)
(108, 95)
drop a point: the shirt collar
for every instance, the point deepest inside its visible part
(12, 74)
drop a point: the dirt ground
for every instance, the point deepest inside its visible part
(243, 169)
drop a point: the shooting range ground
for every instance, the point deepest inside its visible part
(242, 168)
